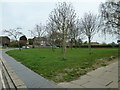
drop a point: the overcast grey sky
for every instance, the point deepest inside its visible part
(26, 14)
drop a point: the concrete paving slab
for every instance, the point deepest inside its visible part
(113, 85)
(0, 84)
(100, 81)
(18, 82)
(93, 85)
(112, 66)
(97, 72)
(0, 77)
(70, 85)
(76, 89)
(109, 76)
(82, 80)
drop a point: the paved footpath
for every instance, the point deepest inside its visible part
(0, 72)
(0, 79)
(0, 76)
(104, 77)
(0, 83)
(30, 78)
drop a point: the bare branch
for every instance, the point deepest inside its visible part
(62, 18)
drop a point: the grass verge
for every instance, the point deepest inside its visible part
(50, 64)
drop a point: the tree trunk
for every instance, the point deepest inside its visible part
(60, 44)
(19, 45)
(71, 46)
(89, 44)
(75, 43)
(53, 49)
(64, 47)
(33, 45)
(39, 43)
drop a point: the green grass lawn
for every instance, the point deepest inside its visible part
(50, 64)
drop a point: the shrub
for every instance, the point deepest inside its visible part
(14, 44)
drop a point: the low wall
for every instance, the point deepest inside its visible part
(9, 77)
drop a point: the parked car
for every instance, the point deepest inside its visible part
(54, 47)
(25, 47)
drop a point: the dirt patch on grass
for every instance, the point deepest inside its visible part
(70, 74)
(68, 69)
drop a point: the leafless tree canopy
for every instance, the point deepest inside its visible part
(39, 31)
(14, 33)
(89, 25)
(62, 19)
(110, 15)
(75, 33)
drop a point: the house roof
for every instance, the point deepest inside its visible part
(5, 37)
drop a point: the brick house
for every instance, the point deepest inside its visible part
(95, 43)
(41, 40)
(4, 40)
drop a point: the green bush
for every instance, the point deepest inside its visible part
(99, 46)
(14, 44)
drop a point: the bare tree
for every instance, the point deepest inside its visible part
(75, 33)
(54, 37)
(38, 32)
(63, 17)
(50, 29)
(110, 15)
(89, 26)
(15, 33)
